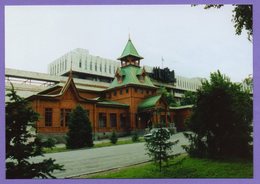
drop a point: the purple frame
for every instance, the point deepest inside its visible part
(256, 65)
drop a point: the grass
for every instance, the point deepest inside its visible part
(99, 145)
(184, 167)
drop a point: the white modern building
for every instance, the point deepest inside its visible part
(96, 68)
(80, 61)
(88, 71)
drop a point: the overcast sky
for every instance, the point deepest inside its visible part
(192, 41)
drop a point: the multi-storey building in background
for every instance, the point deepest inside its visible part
(121, 96)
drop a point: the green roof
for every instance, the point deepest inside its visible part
(149, 102)
(130, 76)
(130, 51)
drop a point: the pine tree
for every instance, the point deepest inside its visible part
(159, 146)
(80, 130)
(22, 145)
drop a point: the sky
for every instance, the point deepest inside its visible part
(192, 41)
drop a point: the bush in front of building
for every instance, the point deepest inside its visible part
(113, 138)
(22, 144)
(221, 121)
(80, 130)
(135, 137)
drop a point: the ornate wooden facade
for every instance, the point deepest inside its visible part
(130, 103)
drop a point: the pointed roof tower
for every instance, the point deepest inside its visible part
(130, 72)
(130, 55)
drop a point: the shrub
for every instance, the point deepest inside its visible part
(135, 137)
(113, 138)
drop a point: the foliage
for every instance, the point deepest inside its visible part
(22, 145)
(242, 18)
(185, 167)
(113, 138)
(159, 146)
(135, 137)
(189, 98)
(169, 97)
(221, 120)
(249, 82)
(80, 130)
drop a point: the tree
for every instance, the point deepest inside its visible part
(113, 138)
(169, 97)
(189, 98)
(159, 147)
(249, 82)
(22, 145)
(242, 18)
(221, 120)
(80, 130)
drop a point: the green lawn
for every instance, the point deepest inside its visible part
(184, 167)
(99, 145)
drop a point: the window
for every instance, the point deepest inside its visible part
(65, 64)
(64, 117)
(121, 91)
(80, 64)
(136, 120)
(102, 120)
(90, 65)
(113, 120)
(109, 69)
(86, 64)
(48, 116)
(105, 68)
(100, 67)
(136, 89)
(147, 91)
(114, 93)
(95, 66)
(126, 90)
(122, 120)
(108, 95)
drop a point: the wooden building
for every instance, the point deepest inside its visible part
(130, 103)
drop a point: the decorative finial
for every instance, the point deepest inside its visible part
(162, 61)
(129, 36)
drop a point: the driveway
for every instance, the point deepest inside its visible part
(93, 160)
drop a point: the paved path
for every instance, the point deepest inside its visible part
(88, 161)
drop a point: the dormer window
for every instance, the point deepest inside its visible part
(141, 78)
(119, 79)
